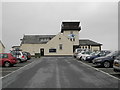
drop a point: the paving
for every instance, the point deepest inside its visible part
(58, 72)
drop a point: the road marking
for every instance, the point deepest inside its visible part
(57, 76)
(5, 71)
(99, 70)
(17, 70)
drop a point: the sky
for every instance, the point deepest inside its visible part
(99, 20)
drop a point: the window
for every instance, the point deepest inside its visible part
(41, 39)
(70, 39)
(3, 56)
(71, 32)
(52, 50)
(60, 46)
(73, 39)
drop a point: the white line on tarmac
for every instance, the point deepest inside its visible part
(16, 70)
(99, 70)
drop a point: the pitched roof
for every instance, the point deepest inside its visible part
(70, 26)
(88, 42)
(36, 39)
(2, 44)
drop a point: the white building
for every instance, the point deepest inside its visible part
(64, 43)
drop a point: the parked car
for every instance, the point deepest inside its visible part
(19, 55)
(28, 55)
(86, 54)
(78, 50)
(79, 55)
(7, 59)
(97, 54)
(106, 61)
(116, 64)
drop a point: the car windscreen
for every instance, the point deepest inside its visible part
(15, 53)
(115, 53)
(88, 52)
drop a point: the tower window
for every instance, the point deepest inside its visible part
(71, 32)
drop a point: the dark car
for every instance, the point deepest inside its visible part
(28, 55)
(106, 61)
(116, 64)
(97, 54)
(7, 59)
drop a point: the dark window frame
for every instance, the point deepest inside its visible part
(60, 46)
(52, 50)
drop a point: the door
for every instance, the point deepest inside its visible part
(42, 51)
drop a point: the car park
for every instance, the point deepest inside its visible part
(106, 61)
(116, 64)
(19, 55)
(7, 59)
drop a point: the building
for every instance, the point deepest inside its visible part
(2, 47)
(62, 44)
(89, 44)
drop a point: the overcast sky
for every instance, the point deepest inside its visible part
(99, 20)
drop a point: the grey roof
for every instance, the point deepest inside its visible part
(15, 46)
(88, 42)
(36, 39)
(70, 26)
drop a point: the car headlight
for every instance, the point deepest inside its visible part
(88, 57)
(98, 60)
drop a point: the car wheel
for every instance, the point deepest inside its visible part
(19, 61)
(79, 58)
(106, 64)
(7, 64)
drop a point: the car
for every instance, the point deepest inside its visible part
(79, 55)
(96, 55)
(77, 50)
(7, 59)
(106, 61)
(86, 54)
(19, 55)
(28, 55)
(116, 64)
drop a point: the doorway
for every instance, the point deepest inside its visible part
(42, 51)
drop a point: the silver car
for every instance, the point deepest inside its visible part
(116, 64)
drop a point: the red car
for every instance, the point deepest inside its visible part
(7, 59)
